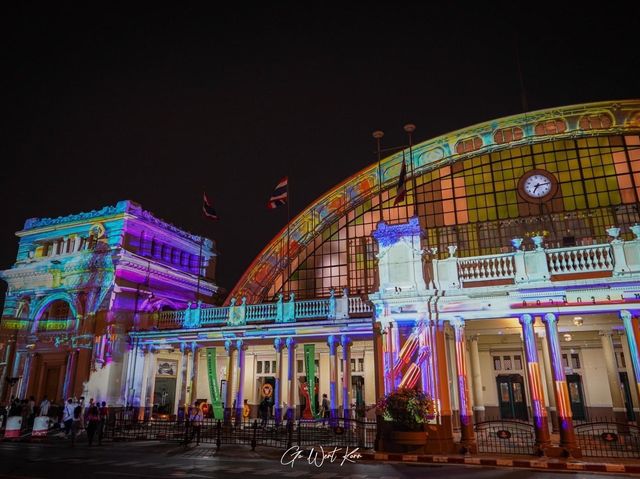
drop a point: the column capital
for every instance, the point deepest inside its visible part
(241, 345)
(604, 332)
(526, 319)
(290, 342)
(278, 344)
(625, 315)
(332, 342)
(228, 345)
(550, 318)
(345, 341)
(457, 322)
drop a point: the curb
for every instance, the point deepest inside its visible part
(520, 463)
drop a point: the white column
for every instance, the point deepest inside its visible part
(548, 378)
(228, 400)
(629, 368)
(619, 411)
(478, 401)
(346, 375)
(278, 345)
(242, 348)
(291, 378)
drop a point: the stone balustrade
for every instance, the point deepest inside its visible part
(617, 258)
(280, 312)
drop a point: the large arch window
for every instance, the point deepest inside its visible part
(474, 204)
(57, 316)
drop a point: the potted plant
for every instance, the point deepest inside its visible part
(408, 411)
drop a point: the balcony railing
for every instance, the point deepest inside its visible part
(486, 268)
(279, 312)
(618, 258)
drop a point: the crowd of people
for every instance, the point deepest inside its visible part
(73, 418)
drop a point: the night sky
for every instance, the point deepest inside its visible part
(158, 105)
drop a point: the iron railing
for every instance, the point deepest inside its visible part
(605, 438)
(340, 433)
(506, 437)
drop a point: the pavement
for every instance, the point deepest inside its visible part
(153, 460)
(522, 462)
(312, 458)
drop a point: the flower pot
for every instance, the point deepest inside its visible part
(409, 438)
(614, 232)
(538, 240)
(516, 243)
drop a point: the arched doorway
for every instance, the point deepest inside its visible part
(48, 369)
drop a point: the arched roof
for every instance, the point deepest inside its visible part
(592, 119)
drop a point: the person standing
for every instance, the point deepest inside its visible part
(93, 421)
(67, 416)
(104, 416)
(76, 425)
(195, 420)
(44, 407)
(264, 412)
(324, 409)
(246, 410)
(31, 410)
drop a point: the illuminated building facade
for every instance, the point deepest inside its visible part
(506, 285)
(79, 285)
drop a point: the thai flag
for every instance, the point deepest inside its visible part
(280, 194)
(401, 190)
(207, 208)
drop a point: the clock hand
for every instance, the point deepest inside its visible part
(536, 187)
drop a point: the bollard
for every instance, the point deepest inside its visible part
(40, 426)
(253, 439)
(14, 424)
(289, 433)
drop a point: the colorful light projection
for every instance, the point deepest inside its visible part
(538, 127)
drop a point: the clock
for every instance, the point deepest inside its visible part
(537, 186)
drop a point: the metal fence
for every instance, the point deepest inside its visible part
(506, 437)
(304, 433)
(606, 438)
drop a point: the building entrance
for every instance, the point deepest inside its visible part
(47, 377)
(626, 395)
(576, 396)
(511, 396)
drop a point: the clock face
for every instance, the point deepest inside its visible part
(537, 185)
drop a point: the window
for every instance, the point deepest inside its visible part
(575, 361)
(595, 122)
(507, 363)
(620, 361)
(517, 362)
(470, 144)
(497, 365)
(507, 135)
(259, 367)
(550, 127)
(300, 366)
(565, 361)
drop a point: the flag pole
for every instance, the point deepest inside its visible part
(378, 134)
(199, 267)
(288, 279)
(410, 128)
